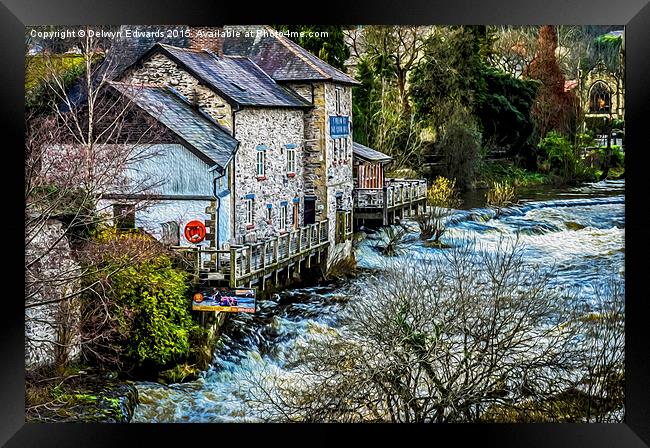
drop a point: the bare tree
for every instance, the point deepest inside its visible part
(397, 50)
(514, 49)
(79, 143)
(449, 339)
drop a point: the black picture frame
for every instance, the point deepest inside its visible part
(634, 14)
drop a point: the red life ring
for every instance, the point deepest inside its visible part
(195, 231)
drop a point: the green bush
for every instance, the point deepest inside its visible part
(617, 156)
(146, 298)
(557, 154)
(158, 328)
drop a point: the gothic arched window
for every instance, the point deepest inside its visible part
(600, 98)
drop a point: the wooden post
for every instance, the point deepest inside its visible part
(197, 264)
(264, 255)
(233, 267)
(385, 202)
(299, 244)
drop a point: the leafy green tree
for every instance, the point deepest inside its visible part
(503, 110)
(460, 145)
(332, 48)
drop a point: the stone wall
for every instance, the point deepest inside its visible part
(51, 316)
(313, 154)
(162, 71)
(273, 129)
(339, 169)
(325, 176)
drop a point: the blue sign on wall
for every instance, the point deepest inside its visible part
(339, 126)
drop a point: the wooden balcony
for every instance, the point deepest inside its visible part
(244, 265)
(397, 199)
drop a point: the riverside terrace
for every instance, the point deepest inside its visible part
(383, 200)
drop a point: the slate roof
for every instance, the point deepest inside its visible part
(236, 78)
(280, 57)
(211, 142)
(369, 154)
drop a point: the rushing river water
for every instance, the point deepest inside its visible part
(580, 231)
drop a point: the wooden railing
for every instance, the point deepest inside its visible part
(250, 260)
(396, 192)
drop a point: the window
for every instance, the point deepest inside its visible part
(338, 100)
(269, 213)
(599, 98)
(340, 149)
(170, 233)
(291, 160)
(124, 216)
(249, 211)
(283, 216)
(261, 162)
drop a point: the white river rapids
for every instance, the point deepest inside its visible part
(580, 231)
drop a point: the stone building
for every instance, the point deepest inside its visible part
(602, 93)
(262, 137)
(327, 155)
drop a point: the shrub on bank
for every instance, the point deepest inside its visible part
(501, 194)
(136, 313)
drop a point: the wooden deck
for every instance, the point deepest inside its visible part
(398, 198)
(257, 263)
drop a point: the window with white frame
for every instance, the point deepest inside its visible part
(291, 160)
(283, 216)
(249, 211)
(261, 162)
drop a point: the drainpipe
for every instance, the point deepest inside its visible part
(217, 208)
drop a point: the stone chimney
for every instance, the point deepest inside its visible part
(208, 38)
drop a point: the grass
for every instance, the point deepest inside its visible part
(499, 171)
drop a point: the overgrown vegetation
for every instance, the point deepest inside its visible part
(144, 320)
(392, 240)
(463, 94)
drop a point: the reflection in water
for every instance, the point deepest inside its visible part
(578, 231)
